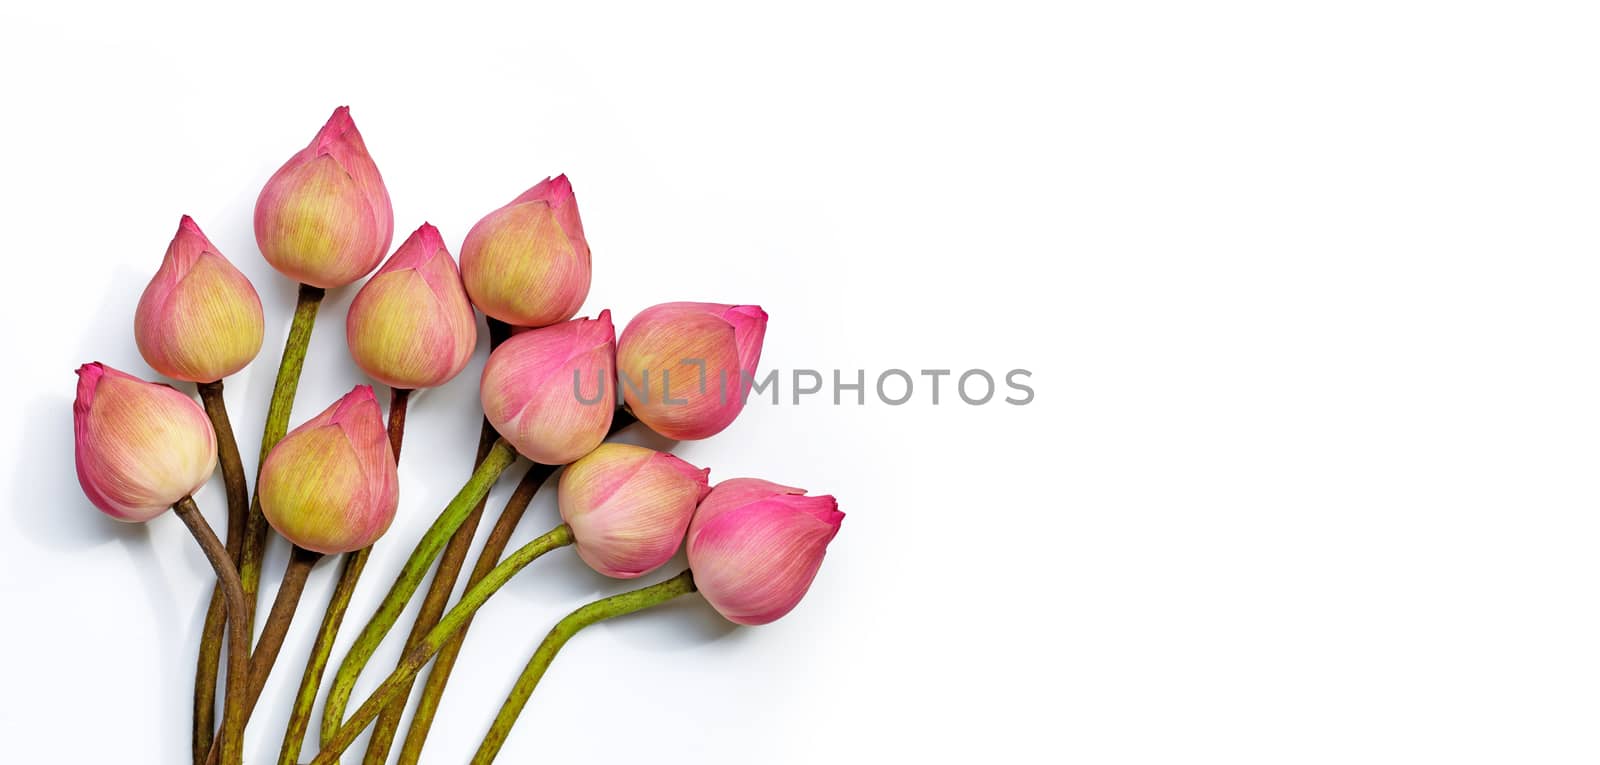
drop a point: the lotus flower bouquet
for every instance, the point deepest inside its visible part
(555, 388)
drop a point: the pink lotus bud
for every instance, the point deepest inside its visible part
(755, 546)
(324, 218)
(527, 264)
(331, 485)
(411, 326)
(628, 507)
(140, 446)
(199, 319)
(686, 367)
(549, 390)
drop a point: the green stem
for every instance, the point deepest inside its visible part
(444, 581)
(233, 480)
(349, 574)
(416, 657)
(500, 457)
(311, 680)
(600, 610)
(233, 709)
(433, 688)
(294, 360)
(493, 546)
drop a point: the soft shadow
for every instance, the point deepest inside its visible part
(639, 434)
(679, 624)
(684, 622)
(178, 632)
(49, 505)
(561, 577)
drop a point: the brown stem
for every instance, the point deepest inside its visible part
(398, 398)
(276, 628)
(494, 546)
(279, 618)
(233, 480)
(231, 739)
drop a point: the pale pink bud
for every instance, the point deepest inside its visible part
(687, 367)
(331, 485)
(411, 326)
(755, 546)
(199, 319)
(628, 507)
(527, 264)
(140, 446)
(549, 391)
(324, 218)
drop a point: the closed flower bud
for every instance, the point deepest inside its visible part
(140, 447)
(527, 264)
(411, 326)
(199, 319)
(331, 485)
(686, 367)
(628, 507)
(755, 546)
(324, 218)
(549, 391)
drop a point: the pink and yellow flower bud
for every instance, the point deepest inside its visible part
(527, 264)
(549, 391)
(687, 367)
(140, 447)
(411, 326)
(331, 485)
(324, 218)
(199, 319)
(629, 506)
(755, 546)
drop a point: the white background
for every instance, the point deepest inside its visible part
(1308, 291)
